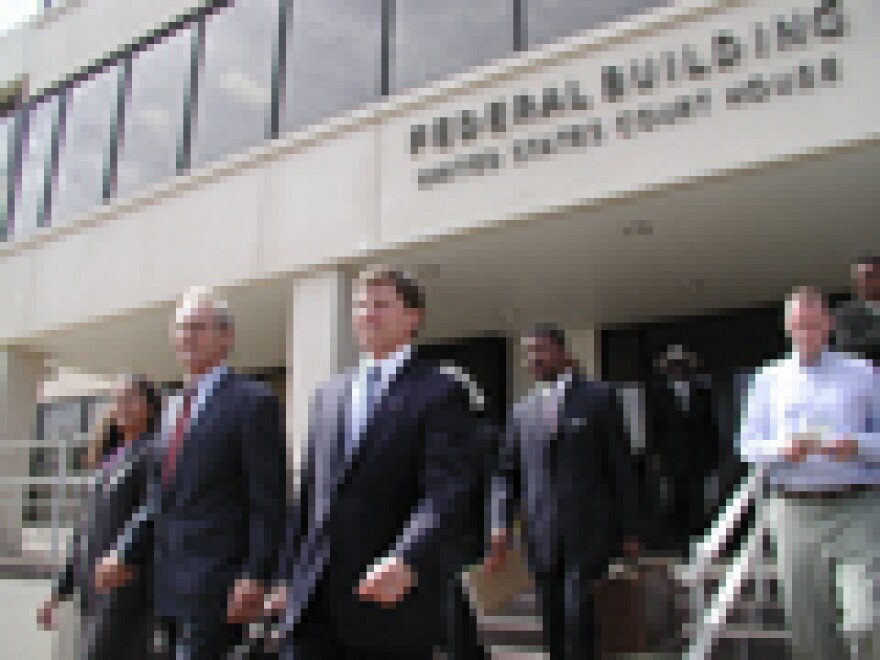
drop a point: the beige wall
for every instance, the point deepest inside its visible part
(20, 375)
(728, 138)
(19, 600)
(346, 191)
(319, 345)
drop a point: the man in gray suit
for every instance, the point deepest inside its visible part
(566, 455)
(857, 326)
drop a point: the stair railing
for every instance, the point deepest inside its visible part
(710, 623)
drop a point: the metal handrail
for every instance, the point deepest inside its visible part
(710, 549)
(727, 596)
(59, 485)
(717, 539)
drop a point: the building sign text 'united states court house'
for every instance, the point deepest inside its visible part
(623, 100)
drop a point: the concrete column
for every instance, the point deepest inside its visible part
(584, 345)
(319, 344)
(20, 376)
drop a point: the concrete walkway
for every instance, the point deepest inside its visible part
(21, 638)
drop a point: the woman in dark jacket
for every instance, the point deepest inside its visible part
(117, 624)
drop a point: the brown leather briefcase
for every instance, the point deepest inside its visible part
(640, 608)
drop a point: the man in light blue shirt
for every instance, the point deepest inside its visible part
(812, 420)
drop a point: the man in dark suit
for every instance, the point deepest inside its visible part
(857, 327)
(392, 458)
(566, 455)
(216, 495)
(682, 448)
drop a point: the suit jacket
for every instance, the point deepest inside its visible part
(857, 330)
(685, 440)
(582, 467)
(399, 494)
(221, 516)
(117, 620)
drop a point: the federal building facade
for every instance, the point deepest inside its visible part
(641, 172)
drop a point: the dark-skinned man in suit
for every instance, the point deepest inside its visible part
(566, 458)
(857, 323)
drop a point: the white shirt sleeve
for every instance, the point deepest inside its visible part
(758, 436)
(869, 434)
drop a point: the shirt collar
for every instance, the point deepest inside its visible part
(564, 380)
(390, 365)
(821, 361)
(559, 385)
(205, 383)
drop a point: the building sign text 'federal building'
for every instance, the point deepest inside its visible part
(513, 130)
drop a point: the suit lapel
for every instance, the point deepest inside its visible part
(538, 433)
(335, 468)
(570, 404)
(193, 435)
(379, 421)
(331, 428)
(573, 406)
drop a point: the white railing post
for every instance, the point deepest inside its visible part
(57, 501)
(707, 626)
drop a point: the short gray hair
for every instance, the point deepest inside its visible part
(200, 297)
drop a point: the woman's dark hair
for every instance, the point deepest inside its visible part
(108, 437)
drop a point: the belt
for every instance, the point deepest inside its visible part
(844, 492)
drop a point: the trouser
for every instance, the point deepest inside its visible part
(567, 614)
(462, 638)
(320, 636)
(688, 514)
(318, 641)
(829, 561)
(207, 638)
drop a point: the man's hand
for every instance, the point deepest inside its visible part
(46, 614)
(799, 448)
(843, 449)
(276, 601)
(499, 546)
(245, 601)
(387, 582)
(111, 573)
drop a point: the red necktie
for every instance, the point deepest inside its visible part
(175, 439)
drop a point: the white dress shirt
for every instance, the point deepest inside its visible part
(836, 397)
(389, 368)
(682, 390)
(552, 395)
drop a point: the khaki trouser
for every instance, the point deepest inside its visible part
(829, 561)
